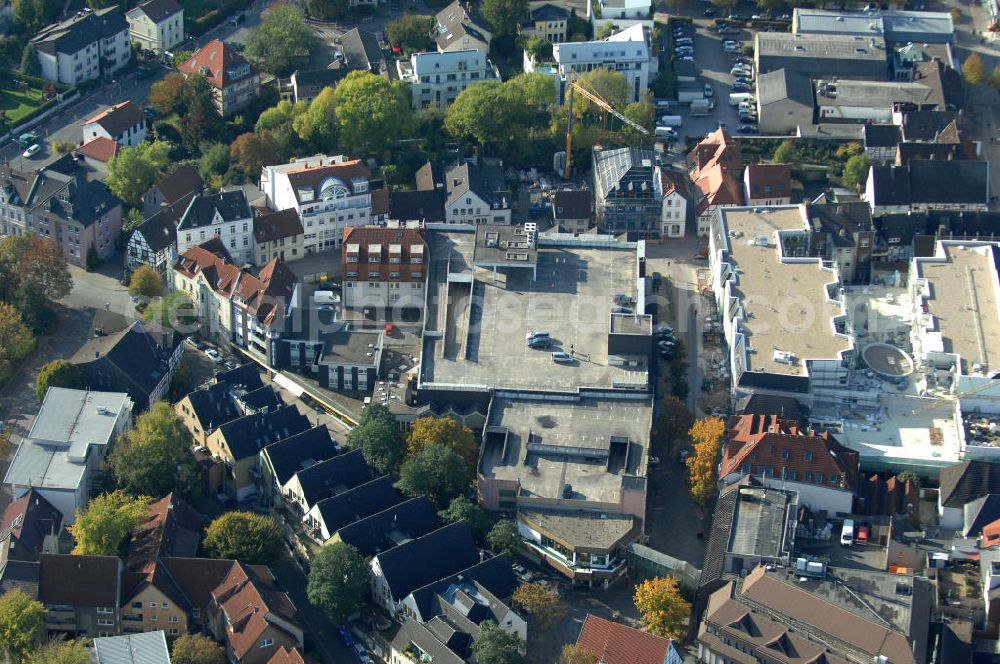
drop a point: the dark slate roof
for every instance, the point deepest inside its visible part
(180, 182)
(981, 512)
(360, 502)
(832, 218)
(320, 78)
(212, 406)
(772, 381)
(494, 574)
(276, 225)
(925, 125)
(231, 205)
(80, 31)
(160, 230)
(891, 185)
(361, 50)
(288, 454)
(549, 12)
(248, 435)
(79, 580)
(967, 481)
(159, 10)
(126, 361)
(882, 135)
(434, 556)
(117, 119)
(420, 205)
(455, 21)
(330, 476)
(247, 375)
(956, 181)
(21, 574)
(262, 398)
(718, 536)
(766, 404)
(382, 531)
(61, 190)
(30, 519)
(413, 632)
(775, 86)
(572, 205)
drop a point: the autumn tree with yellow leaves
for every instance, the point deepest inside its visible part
(705, 434)
(662, 608)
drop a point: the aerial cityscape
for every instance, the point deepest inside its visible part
(499, 332)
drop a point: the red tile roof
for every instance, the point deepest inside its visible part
(218, 60)
(776, 176)
(767, 441)
(285, 656)
(251, 603)
(369, 239)
(991, 534)
(715, 164)
(100, 148)
(614, 643)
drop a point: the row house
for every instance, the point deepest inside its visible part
(81, 594)
(384, 268)
(635, 195)
(58, 202)
(84, 47)
(225, 215)
(928, 184)
(715, 165)
(156, 25)
(328, 193)
(235, 82)
(277, 235)
(767, 184)
(232, 394)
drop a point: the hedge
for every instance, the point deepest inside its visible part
(198, 26)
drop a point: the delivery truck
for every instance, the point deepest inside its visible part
(737, 98)
(669, 121)
(701, 107)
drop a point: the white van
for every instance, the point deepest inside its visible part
(561, 357)
(665, 132)
(847, 533)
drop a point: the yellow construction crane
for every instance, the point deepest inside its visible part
(600, 103)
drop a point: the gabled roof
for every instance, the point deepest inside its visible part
(80, 31)
(361, 50)
(457, 21)
(882, 135)
(215, 405)
(549, 12)
(160, 230)
(495, 575)
(157, 10)
(426, 206)
(248, 435)
(331, 476)
(276, 225)
(782, 84)
(311, 446)
(285, 656)
(572, 204)
(980, 513)
(79, 580)
(967, 481)
(427, 559)
(776, 177)
(379, 532)
(183, 180)
(99, 148)
(482, 179)
(615, 643)
(931, 181)
(413, 633)
(195, 578)
(356, 504)
(171, 528)
(220, 63)
(250, 600)
(623, 170)
(22, 575)
(30, 519)
(208, 209)
(118, 118)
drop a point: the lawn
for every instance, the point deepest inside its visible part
(17, 104)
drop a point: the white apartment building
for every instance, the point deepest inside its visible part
(435, 79)
(620, 13)
(156, 25)
(226, 215)
(122, 123)
(83, 47)
(329, 193)
(626, 52)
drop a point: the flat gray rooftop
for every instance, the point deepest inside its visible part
(44, 467)
(589, 444)
(503, 244)
(582, 530)
(874, 93)
(477, 322)
(963, 299)
(786, 303)
(631, 324)
(759, 523)
(841, 47)
(76, 419)
(351, 347)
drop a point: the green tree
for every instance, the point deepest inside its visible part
(497, 646)
(280, 115)
(57, 373)
(411, 33)
(196, 649)
(539, 48)
(31, 303)
(108, 519)
(574, 654)
(131, 171)
(318, 125)
(62, 147)
(145, 282)
(370, 110)
(376, 412)
(253, 151)
(542, 604)
(856, 171)
(463, 509)
(41, 262)
(29, 62)
(176, 310)
(505, 16)
(609, 85)
(675, 419)
(22, 624)
(662, 608)
(330, 10)
(974, 70)
(281, 39)
(59, 651)
(338, 580)
(16, 340)
(537, 89)
(197, 107)
(786, 153)
(444, 431)
(167, 96)
(436, 472)
(245, 536)
(504, 537)
(154, 457)
(214, 162)
(379, 443)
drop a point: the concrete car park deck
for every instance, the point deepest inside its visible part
(479, 319)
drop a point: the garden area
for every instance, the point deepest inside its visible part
(17, 105)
